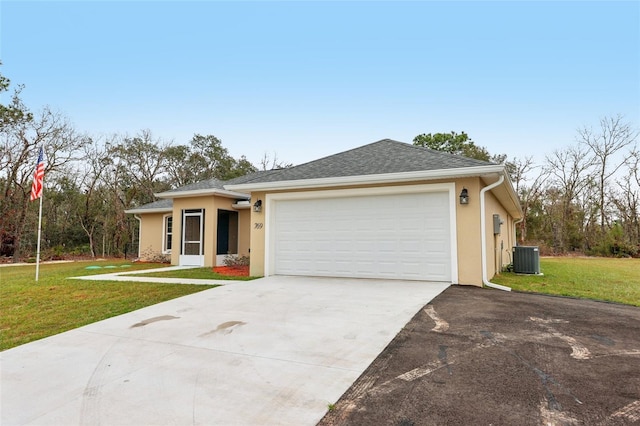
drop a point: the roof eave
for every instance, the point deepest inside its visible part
(144, 211)
(201, 192)
(370, 179)
(514, 197)
(507, 195)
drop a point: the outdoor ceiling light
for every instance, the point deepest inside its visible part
(257, 206)
(464, 196)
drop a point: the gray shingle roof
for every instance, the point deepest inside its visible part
(381, 157)
(219, 184)
(384, 156)
(203, 184)
(156, 205)
(250, 177)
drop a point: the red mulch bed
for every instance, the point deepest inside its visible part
(232, 271)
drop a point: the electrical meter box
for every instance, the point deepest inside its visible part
(497, 223)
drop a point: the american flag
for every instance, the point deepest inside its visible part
(38, 177)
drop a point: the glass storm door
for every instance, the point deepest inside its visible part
(192, 244)
(227, 239)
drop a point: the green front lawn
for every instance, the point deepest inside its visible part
(196, 273)
(614, 280)
(31, 310)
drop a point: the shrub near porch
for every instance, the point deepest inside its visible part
(234, 266)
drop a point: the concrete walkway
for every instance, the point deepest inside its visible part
(135, 276)
(271, 351)
(6, 265)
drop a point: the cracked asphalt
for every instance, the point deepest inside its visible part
(486, 357)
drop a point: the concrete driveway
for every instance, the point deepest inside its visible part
(272, 351)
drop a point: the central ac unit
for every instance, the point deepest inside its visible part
(526, 260)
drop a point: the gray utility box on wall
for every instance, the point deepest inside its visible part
(497, 223)
(526, 260)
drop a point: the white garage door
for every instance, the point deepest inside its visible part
(398, 236)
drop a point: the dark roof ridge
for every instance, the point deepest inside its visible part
(345, 152)
(212, 183)
(250, 177)
(385, 156)
(403, 145)
(437, 152)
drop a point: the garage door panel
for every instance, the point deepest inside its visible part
(386, 224)
(402, 236)
(387, 248)
(342, 266)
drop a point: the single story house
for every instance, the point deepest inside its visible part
(384, 210)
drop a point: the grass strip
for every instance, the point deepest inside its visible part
(195, 273)
(32, 310)
(607, 279)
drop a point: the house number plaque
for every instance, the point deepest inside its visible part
(257, 225)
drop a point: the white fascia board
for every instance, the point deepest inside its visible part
(369, 179)
(201, 192)
(517, 211)
(354, 192)
(241, 206)
(514, 195)
(143, 211)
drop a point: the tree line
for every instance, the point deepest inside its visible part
(584, 197)
(91, 181)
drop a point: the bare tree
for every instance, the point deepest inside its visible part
(179, 171)
(142, 160)
(633, 163)
(613, 136)
(269, 162)
(21, 142)
(627, 201)
(204, 158)
(90, 212)
(529, 180)
(569, 170)
(627, 204)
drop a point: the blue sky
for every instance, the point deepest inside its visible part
(309, 79)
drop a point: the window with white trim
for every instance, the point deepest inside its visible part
(167, 233)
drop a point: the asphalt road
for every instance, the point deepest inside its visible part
(485, 357)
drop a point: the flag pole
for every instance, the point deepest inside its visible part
(39, 234)
(37, 191)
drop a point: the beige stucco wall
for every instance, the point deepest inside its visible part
(498, 247)
(244, 234)
(253, 229)
(210, 204)
(258, 227)
(468, 231)
(210, 223)
(151, 233)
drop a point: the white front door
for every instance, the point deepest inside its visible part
(191, 253)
